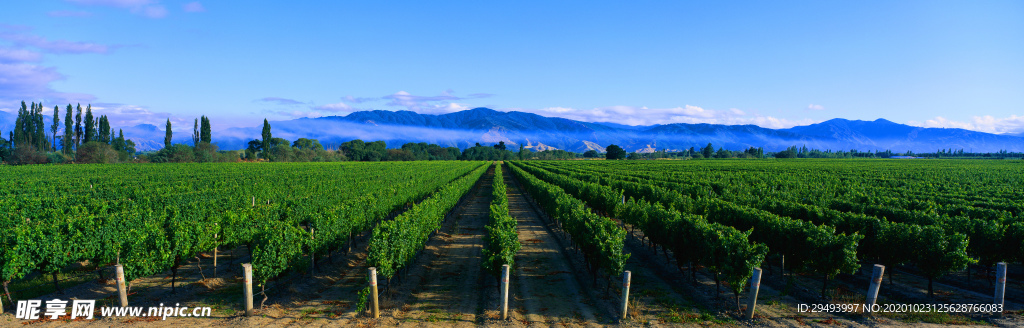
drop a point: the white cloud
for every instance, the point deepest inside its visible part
(335, 107)
(441, 104)
(815, 107)
(122, 115)
(988, 123)
(148, 8)
(631, 115)
(194, 7)
(69, 13)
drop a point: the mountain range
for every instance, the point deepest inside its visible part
(486, 126)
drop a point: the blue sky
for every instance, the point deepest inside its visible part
(770, 63)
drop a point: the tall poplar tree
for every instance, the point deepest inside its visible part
(18, 135)
(266, 135)
(69, 130)
(40, 130)
(104, 133)
(167, 135)
(195, 134)
(90, 125)
(78, 126)
(204, 130)
(55, 126)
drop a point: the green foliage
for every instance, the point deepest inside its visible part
(132, 215)
(600, 239)
(266, 135)
(614, 152)
(69, 132)
(90, 126)
(167, 134)
(96, 152)
(939, 253)
(501, 239)
(395, 243)
(485, 153)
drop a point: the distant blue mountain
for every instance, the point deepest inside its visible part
(486, 126)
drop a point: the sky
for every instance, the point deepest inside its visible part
(775, 64)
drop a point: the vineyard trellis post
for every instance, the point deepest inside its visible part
(1000, 285)
(876, 283)
(312, 254)
(122, 293)
(504, 292)
(215, 257)
(755, 285)
(626, 275)
(247, 269)
(373, 292)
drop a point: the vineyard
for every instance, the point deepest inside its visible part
(438, 233)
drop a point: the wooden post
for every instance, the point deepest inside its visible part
(253, 201)
(215, 257)
(626, 276)
(755, 285)
(373, 293)
(876, 283)
(247, 269)
(312, 255)
(504, 292)
(120, 286)
(1000, 284)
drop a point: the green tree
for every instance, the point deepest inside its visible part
(722, 153)
(591, 154)
(167, 134)
(614, 152)
(195, 134)
(104, 133)
(267, 135)
(708, 151)
(90, 125)
(307, 144)
(204, 132)
(78, 126)
(55, 126)
(69, 130)
(254, 147)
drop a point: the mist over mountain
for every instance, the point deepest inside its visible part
(486, 126)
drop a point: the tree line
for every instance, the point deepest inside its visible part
(88, 139)
(91, 140)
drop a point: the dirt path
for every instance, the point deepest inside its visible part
(546, 288)
(444, 285)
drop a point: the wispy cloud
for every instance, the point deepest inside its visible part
(69, 13)
(632, 115)
(281, 101)
(131, 115)
(147, 8)
(194, 7)
(11, 55)
(815, 107)
(358, 100)
(335, 107)
(21, 77)
(20, 37)
(988, 123)
(440, 104)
